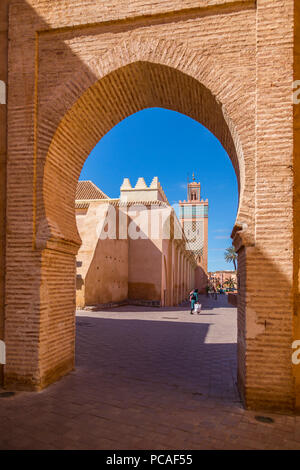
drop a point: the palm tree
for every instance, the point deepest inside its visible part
(231, 283)
(231, 256)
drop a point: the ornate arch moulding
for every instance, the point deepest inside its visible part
(47, 233)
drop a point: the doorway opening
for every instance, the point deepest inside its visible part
(135, 281)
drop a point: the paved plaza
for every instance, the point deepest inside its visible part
(147, 378)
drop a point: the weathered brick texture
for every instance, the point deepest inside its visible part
(296, 187)
(76, 68)
(3, 157)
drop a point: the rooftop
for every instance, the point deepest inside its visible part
(88, 190)
(142, 192)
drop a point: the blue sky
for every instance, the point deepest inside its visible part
(170, 145)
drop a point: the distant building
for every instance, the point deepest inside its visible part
(133, 247)
(222, 278)
(194, 221)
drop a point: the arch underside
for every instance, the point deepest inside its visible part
(114, 97)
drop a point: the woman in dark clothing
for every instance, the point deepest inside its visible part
(193, 299)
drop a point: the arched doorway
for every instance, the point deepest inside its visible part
(104, 104)
(93, 112)
(83, 111)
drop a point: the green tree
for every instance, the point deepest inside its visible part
(218, 283)
(231, 283)
(231, 256)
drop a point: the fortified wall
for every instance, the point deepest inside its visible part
(133, 248)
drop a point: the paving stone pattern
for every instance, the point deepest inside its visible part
(147, 378)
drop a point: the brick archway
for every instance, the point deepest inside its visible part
(129, 78)
(219, 71)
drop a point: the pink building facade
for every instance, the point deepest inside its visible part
(133, 248)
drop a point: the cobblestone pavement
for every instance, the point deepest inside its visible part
(146, 379)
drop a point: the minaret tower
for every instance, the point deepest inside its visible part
(194, 220)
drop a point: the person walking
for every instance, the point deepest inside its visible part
(193, 299)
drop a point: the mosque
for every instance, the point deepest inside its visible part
(135, 250)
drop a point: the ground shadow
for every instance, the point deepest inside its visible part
(155, 354)
(207, 302)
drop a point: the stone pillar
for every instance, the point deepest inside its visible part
(296, 367)
(184, 277)
(178, 277)
(187, 275)
(193, 277)
(170, 273)
(266, 379)
(173, 274)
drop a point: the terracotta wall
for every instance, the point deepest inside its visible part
(102, 264)
(296, 167)
(145, 270)
(3, 149)
(110, 270)
(241, 321)
(201, 279)
(269, 265)
(107, 277)
(114, 270)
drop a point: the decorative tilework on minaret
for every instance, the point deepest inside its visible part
(194, 220)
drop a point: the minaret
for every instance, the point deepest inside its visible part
(194, 220)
